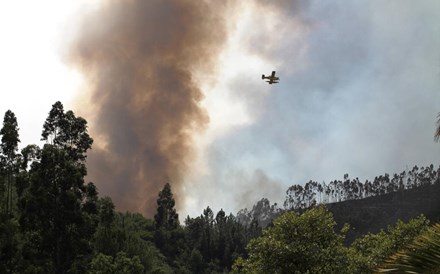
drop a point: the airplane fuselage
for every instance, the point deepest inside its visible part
(272, 78)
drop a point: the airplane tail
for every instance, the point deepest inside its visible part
(262, 76)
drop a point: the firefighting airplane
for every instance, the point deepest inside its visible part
(272, 78)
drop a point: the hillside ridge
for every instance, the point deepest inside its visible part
(366, 207)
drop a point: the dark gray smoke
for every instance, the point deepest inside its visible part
(139, 59)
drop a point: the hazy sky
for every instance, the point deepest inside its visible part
(359, 92)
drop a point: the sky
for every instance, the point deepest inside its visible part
(359, 92)
(34, 74)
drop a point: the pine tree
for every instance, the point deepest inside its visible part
(168, 234)
(166, 216)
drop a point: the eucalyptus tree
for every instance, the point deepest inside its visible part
(57, 204)
(67, 132)
(8, 157)
(294, 197)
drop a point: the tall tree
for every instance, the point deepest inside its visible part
(166, 216)
(54, 212)
(212, 244)
(168, 232)
(9, 239)
(9, 147)
(67, 131)
(51, 126)
(57, 206)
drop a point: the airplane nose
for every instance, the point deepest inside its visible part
(262, 76)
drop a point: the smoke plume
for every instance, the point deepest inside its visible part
(359, 94)
(139, 59)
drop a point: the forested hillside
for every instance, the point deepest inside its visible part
(410, 192)
(52, 221)
(378, 212)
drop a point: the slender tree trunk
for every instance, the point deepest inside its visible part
(10, 193)
(57, 228)
(7, 194)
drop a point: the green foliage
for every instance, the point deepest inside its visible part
(54, 222)
(9, 133)
(297, 243)
(29, 154)
(9, 244)
(168, 234)
(8, 159)
(421, 256)
(126, 265)
(128, 233)
(212, 244)
(121, 264)
(101, 264)
(196, 261)
(68, 132)
(57, 210)
(166, 217)
(106, 212)
(372, 249)
(108, 238)
(307, 243)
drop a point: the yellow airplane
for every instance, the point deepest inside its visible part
(272, 78)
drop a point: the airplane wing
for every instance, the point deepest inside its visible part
(273, 73)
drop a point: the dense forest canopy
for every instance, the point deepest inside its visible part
(53, 221)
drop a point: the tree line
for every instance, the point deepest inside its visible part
(303, 196)
(52, 221)
(300, 197)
